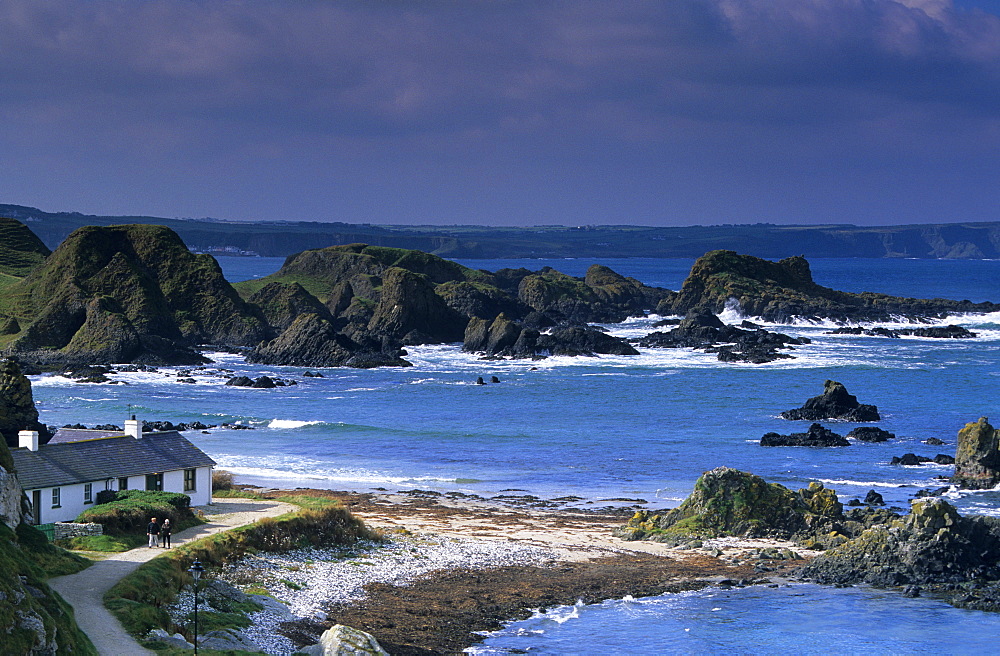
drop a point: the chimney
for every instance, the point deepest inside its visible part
(28, 439)
(133, 427)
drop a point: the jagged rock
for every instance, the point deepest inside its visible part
(909, 460)
(933, 441)
(17, 407)
(340, 640)
(784, 290)
(977, 456)
(933, 547)
(834, 403)
(312, 374)
(281, 303)
(312, 341)
(240, 381)
(817, 436)
(263, 382)
(704, 330)
(730, 502)
(940, 332)
(877, 331)
(873, 498)
(410, 311)
(870, 434)
(504, 337)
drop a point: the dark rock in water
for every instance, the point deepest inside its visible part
(237, 426)
(912, 591)
(189, 381)
(944, 459)
(240, 381)
(933, 441)
(817, 436)
(977, 456)
(313, 341)
(480, 381)
(870, 434)
(877, 331)
(263, 382)
(940, 332)
(731, 344)
(312, 374)
(909, 460)
(17, 406)
(504, 337)
(494, 379)
(931, 493)
(107, 427)
(730, 502)
(873, 498)
(834, 403)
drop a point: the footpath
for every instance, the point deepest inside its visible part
(84, 591)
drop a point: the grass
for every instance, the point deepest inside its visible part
(103, 543)
(139, 600)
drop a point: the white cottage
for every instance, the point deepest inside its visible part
(62, 478)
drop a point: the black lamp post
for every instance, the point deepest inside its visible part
(196, 570)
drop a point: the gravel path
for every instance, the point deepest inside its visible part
(85, 590)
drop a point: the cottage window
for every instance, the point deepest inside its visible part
(189, 480)
(154, 482)
(123, 482)
(109, 484)
(88, 493)
(56, 496)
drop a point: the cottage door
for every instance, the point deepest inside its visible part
(36, 507)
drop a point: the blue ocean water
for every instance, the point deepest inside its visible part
(641, 427)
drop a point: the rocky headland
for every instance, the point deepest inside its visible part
(703, 330)
(784, 291)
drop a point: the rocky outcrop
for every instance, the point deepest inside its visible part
(784, 290)
(382, 299)
(977, 456)
(816, 436)
(126, 294)
(503, 337)
(312, 341)
(834, 403)
(702, 330)
(933, 547)
(280, 303)
(17, 407)
(731, 502)
(21, 251)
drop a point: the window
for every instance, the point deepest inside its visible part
(56, 496)
(88, 493)
(189, 479)
(123, 482)
(109, 484)
(154, 482)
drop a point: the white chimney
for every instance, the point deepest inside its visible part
(133, 427)
(28, 439)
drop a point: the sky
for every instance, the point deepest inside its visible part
(677, 112)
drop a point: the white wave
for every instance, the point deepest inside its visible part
(290, 423)
(51, 381)
(840, 481)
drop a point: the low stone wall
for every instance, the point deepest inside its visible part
(63, 530)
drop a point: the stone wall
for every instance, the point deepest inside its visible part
(63, 530)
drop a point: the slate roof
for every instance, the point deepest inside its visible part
(64, 435)
(107, 457)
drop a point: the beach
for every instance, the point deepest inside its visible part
(513, 560)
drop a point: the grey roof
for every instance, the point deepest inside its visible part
(106, 457)
(64, 435)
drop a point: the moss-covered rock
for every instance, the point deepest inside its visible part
(780, 291)
(128, 288)
(977, 456)
(282, 303)
(727, 501)
(313, 341)
(834, 403)
(17, 409)
(21, 251)
(411, 312)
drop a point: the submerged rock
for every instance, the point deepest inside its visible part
(871, 434)
(817, 436)
(977, 456)
(834, 403)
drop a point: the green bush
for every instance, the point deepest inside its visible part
(130, 512)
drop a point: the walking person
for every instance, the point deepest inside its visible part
(165, 534)
(153, 531)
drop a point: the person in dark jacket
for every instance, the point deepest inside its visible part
(165, 531)
(153, 531)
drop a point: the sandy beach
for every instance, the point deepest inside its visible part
(535, 558)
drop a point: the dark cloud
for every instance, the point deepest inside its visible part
(570, 112)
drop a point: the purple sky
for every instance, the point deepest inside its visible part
(675, 112)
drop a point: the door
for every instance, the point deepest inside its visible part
(36, 507)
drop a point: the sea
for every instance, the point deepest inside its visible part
(620, 431)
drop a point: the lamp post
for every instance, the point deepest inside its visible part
(196, 570)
